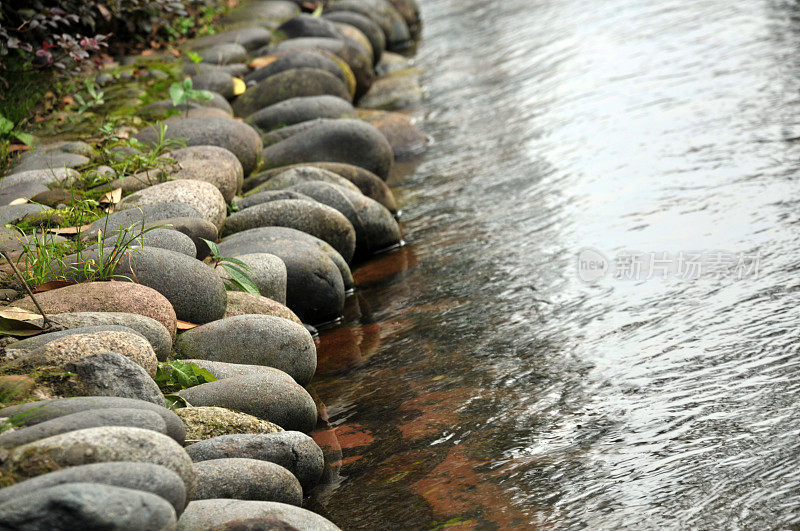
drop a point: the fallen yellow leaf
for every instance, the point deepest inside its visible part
(238, 86)
(18, 201)
(261, 62)
(12, 312)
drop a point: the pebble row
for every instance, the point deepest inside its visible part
(293, 187)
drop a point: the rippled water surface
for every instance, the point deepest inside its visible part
(478, 382)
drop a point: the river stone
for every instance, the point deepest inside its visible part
(390, 63)
(93, 418)
(279, 135)
(162, 238)
(207, 422)
(297, 110)
(87, 506)
(143, 477)
(314, 283)
(238, 138)
(135, 218)
(205, 197)
(207, 112)
(293, 450)
(267, 271)
(383, 13)
(62, 351)
(356, 37)
(366, 181)
(238, 243)
(227, 178)
(366, 26)
(399, 90)
(246, 479)
(241, 303)
(217, 81)
(162, 107)
(23, 190)
(112, 374)
(45, 410)
(197, 229)
(100, 445)
(296, 59)
(193, 289)
(333, 196)
(311, 217)
(50, 160)
(307, 25)
(226, 514)
(286, 177)
(223, 53)
(152, 330)
(265, 396)
(266, 197)
(212, 155)
(261, 12)
(349, 141)
(289, 84)
(106, 296)
(41, 177)
(409, 10)
(40, 340)
(253, 339)
(406, 140)
(12, 213)
(249, 37)
(357, 58)
(222, 369)
(378, 230)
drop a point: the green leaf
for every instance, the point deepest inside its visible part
(25, 138)
(6, 125)
(176, 93)
(318, 11)
(241, 279)
(13, 327)
(194, 57)
(188, 84)
(237, 262)
(202, 375)
(213, 247)
(203, 95)
(175, 401)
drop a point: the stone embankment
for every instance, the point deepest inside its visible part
(183, 266)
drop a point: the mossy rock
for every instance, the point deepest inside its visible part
(207, 422)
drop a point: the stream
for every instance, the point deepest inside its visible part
(594, 322)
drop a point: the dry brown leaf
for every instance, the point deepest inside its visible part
(67, 230)
(185, 325)
(175, 52)
(18, 201)
(12, 312)
(113, 197)
(261, 62)
(53, 284)
(68, 100)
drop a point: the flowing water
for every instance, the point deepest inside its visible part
(480, 382)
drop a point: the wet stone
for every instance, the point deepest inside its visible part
(205, 514)
(33, 413)
(256, 340)
(246, 479)
(207, 422)
(265, 396)
(93, 418)
(295, 451)
(143, 477)
(87, 506)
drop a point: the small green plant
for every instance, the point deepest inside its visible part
(240, 279)
(94, 98)
(172, 376)
(194, 57)
(318, 11)
(183, 93)
(8, 131)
